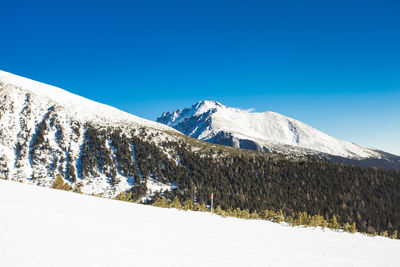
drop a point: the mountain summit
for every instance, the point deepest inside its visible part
(264, 131)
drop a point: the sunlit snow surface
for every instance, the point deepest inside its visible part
(77, 106)
(45, 227)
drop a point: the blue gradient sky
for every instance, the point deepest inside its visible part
(332, 64)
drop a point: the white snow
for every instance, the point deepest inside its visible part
(267, 129)
(45, 227)
(77, 106)
(155, 186)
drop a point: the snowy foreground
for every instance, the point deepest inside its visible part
(46, 227)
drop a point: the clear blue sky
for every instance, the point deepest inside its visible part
(332, 64)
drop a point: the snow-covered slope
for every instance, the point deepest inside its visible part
(211, 121)
(80, 108)
(44, 130)
(45, 227)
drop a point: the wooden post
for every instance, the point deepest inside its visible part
(212, 198)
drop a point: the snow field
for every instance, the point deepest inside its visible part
(46, 227)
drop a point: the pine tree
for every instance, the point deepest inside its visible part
(120, 196)
(59, 184)
(353, 228)
(323, 223)
(384, 233)
(237, 213)
(264, 214)
(347, 227)
(175, 203)
(161, 202)
(254, 215)
(76, 189)
(219, 211)
(197, 207)
(334, 223)
(290, 219)
(394, 235)
(279, 217)
(245, 214)
(229, 212)
(188, 205)
(203, 207)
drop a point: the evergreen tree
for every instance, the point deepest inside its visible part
(279, 217)
(394, 235)
(175, 203)
(59, 184)
(245, 214)
(347, 227)
(161, 202)
(188, 205)
(203, 207)
(220, 212)
(353, 228)
(254, 215)
(334, 223)
(384, 233)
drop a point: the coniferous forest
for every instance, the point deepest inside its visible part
(256, 181)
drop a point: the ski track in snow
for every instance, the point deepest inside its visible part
(46, 227)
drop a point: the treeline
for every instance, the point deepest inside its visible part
(370, 198)
(294, 219)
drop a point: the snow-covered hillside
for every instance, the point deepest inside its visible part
(269, 131)
(43, 131)
(77, 107)
(46, 227)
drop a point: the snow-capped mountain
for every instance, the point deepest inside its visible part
(45, 131)
(266, 131)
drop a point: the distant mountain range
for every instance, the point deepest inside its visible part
(268, 131)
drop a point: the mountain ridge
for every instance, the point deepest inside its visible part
(78, 106)
(265, 131)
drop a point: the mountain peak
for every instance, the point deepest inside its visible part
(213, 122)
(208, 103)
(177, 116)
